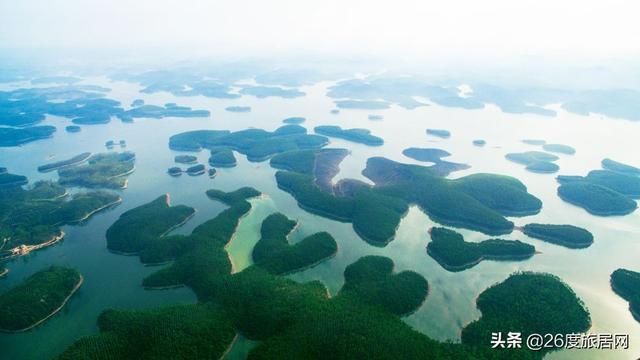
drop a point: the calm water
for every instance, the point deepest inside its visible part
(113, 281)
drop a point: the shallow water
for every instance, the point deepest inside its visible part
(113, 281)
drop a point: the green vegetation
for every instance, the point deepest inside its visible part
(8, 180)
(441, 133)
(596, 199)
(212, 172)
(18, 136)
(537, 142)
(559, 148)
(613, 165)
(530, 157)
(65, 163)
(238, 109)
(544, 167)
(222, 157)
(36, 299)
(360, 104)
(198, 331)
(440, 167)
(257, 144)
(624, 184)
(566, 235)
(530, 302)
(450, 250)
(159, 112)
(137, 228)
(33, 217)
(371, 280)
(196, 170)
(274, 253)
(73, 128)
(185, 159)
(375, 117)
(296, 120)
(626, 283)
(479, 142)
(107, 170)
(362, 136)
(174, 171)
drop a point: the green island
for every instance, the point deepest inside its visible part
(196, 170)
(334, 111)
(478, 202)
(543, 167)
(291, 319)
(479, 142)
(295, 120)
(198, 331)
(626, 283)
(450, 250)
(174, 171)
(274, 253)
(559, 148)
(624, 184)
(360, 104)
(222, 157)
(185, 159)
(138, 227)
(78, 159)
(159, 112)
(530, 157)
(361, 136)
(31, 218)
(9, 180)
(372, 281)
(238, 109)
(566, 235)
(212, 172)
(38, 298)
(256, 144)
(536, 142)
(375, 117)
(609, 164)
(18, 136)
(137, 102)
(107, 170)
(441, 133)
(442, 167)
(530, 302)
(73, 129)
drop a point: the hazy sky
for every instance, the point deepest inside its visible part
(407, 28)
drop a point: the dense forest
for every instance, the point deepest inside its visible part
(626, 283)
(565, 235)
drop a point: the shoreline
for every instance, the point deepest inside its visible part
(229, 347)
(30, 248)
(458, 268)
(55, 311)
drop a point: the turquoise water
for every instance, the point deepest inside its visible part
(113, 281)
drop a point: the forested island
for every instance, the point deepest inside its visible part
(32, 217)
(19, 136)
(453, 253)
(601, 192)
(543, 167)
(295, 120)
(362, 104)
(262, 92)
(479, 142)
(441, 133)
(375, 117)
(73, 128)
(9, 180)
(613, 165)
(78, 159)
(185, 159)
(559, 148)
(529, 157)
(545, 304)
(361, 136)
(196, 170)
(38, 298)
(566, 235)
(441, 167)
(626, 283)
(107, 170)
(137, 228)
(174, 171)
(274, 253)
(238, 109)
(222, 157)
(256, 144)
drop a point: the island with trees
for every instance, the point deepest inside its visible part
(238, 109)
(295, 120)
(441, 167)
(543, 167)
(262, 92)
(9, 180)
(610, 164)
(196, 170)
(559, 148)
(535, 142)
(375, 117)
(38, 298)
(479, 142)
(441, 133)
(107, 170)
(362, 104)
(18, 136)
(274, 253)
(138, 227)
(174, 171)
(185, 159)
(78, 159)
(545, 304)
(256, 144)
(222, 157)
(529, 157)
(453, 253)
(361, 136)
(566, 235)
(626, 283)
(73, 128)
